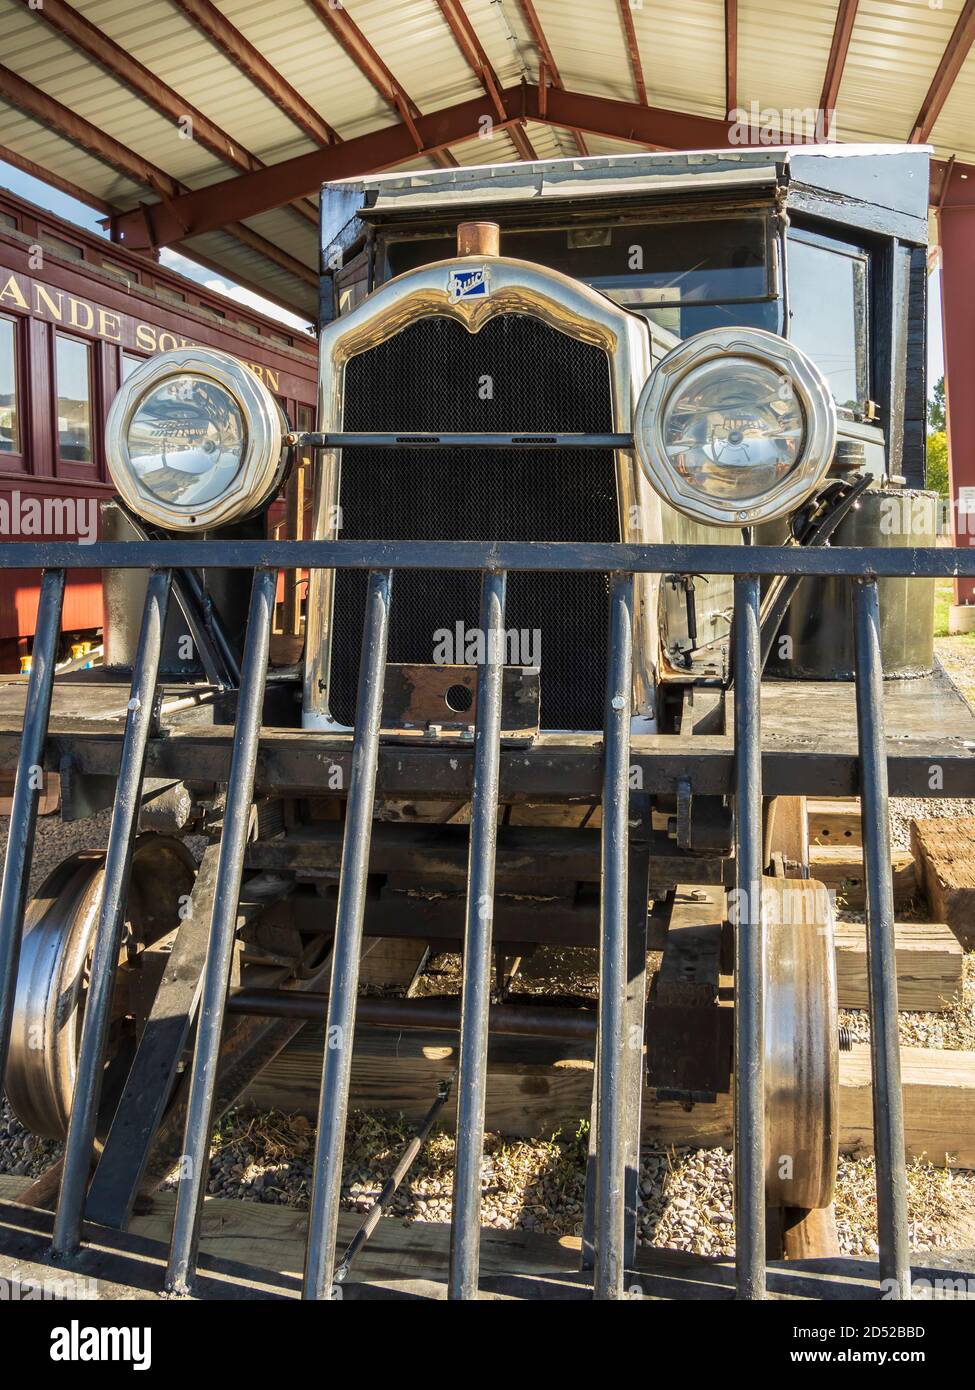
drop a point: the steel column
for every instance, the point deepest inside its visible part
(611, 1040)
(333, 1102)
(223, 926)
(749, 1075)
(465, 1231)
(111, 917)
(27, 790)
(888, 1111)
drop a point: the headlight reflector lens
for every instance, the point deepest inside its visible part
(186, 440)
(735, 426)
(194, 440)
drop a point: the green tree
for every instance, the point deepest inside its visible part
(936, 407)
(937, 469)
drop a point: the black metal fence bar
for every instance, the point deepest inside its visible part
(610, 1043)
(111, 918)
(223, 925)
(465, 1233)
(749, 1069)
(921, 562)
(27, 790)
(323, 1216)
(888, 1105)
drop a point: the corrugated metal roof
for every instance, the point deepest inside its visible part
(783, 50)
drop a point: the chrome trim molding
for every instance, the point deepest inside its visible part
(513, 286)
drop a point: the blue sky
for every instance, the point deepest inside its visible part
(35, 191)
(72, 211)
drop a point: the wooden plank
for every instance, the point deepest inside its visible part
(259, 1249)
(944, 851)
(533, 1100)
(930, 963)
(390, 960)
(841, 870)
(834, 822)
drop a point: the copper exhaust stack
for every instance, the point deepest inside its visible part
(478, 239)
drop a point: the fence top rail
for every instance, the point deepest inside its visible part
(921, 562)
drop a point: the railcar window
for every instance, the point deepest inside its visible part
(74, 399)
(7, 219)
(129, 363)
(60, 247)
(828, 304)
(9, 429)
(176, 296)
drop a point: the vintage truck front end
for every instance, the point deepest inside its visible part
(619, 548)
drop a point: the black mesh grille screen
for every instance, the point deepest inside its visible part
(433, 376)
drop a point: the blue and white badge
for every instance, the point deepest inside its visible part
(468, 284)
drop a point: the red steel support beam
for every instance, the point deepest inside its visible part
(347, 33)
(68, 124)
(251, 61)
(249, 194)
(480, 65)
(119, 63)
(956, 219)
(952, 59)
(846, 14)
(547, 57)
(633, 49)
(730, 56)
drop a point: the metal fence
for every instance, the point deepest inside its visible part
(493, 561)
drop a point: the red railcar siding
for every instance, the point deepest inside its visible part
(54, 283)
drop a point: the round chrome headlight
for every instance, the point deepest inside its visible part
(194, 440)
(735, 426)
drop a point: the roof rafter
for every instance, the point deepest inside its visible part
(547, 59)
(251, 61)
(477, 60)
(846, 13)
(119, 63)
(633, 49)
(950, 66)
(348, 34)
(70, 126)
(730, 56)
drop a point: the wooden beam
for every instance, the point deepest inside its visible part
(120, 64)
(633, 50)
(930, 964)
(944, 852)
(251, 61)
(546, 56)
(846, 13)
(950, 66)
(842, 871)
(477, 60)
(96, 142)
(730, 56)
(528, 1099)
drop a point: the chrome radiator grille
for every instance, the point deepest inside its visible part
(516, 375)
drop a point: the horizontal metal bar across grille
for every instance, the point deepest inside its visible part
(921, 562)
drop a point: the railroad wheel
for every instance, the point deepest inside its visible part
(801, 1044)
(787, 836)
(52, 982)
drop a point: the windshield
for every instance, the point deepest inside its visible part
(683, 276)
